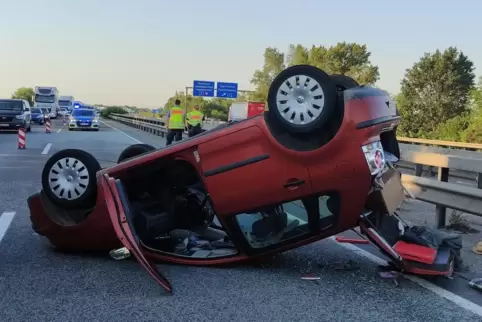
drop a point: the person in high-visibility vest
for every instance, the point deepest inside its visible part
(175, 123)
(194, 121)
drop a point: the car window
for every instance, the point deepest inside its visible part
(83, 113)
(285, 221)
(36, 110)
(14, 106)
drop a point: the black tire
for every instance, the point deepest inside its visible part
(82, 196)
(343, 82)
(316, 113)
(134, 150)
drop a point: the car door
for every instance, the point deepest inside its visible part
(122, 220)
(243, 170)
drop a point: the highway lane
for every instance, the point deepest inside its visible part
(39, 284)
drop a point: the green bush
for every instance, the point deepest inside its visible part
(112, 109)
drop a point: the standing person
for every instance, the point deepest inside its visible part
(194, 121)
(175, 123)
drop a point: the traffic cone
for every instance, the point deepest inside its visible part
(22, 139)
(47, 126)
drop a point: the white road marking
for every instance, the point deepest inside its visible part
(130, 137)
(47, 148)
(454, 298)
(58, 131)
(5, 221)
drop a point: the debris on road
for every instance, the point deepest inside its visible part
(310, 277)
(476, 283)
(342, 239)
(477, 249)
(393, 275)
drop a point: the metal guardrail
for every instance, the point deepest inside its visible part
(439, 192)
(440, 143)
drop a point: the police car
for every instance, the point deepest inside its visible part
(84, 118)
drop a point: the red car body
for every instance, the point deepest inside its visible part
(244, 167)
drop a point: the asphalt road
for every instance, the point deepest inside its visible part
(39, 284)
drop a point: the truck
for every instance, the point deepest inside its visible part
(66, 102)
(47, 98)
(242, 110)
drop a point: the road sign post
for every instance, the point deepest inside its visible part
(227, 90)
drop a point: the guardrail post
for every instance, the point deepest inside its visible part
(418, 170)
(441, 211)
(478, 180)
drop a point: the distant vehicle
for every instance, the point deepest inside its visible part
(63, 111)
(243, 110)
(15, 114)
(38, 115)
(48, 98)
(78, 104)
(66, 102)
(83, 118)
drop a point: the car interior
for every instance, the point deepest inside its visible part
(171, 213)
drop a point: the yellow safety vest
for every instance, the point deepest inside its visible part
(194, 117)
(176, 118)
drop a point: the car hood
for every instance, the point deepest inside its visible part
(35, 115)
(83, 118)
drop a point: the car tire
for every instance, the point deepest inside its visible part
(134, 150)
(306, 108)
(343, 82)
(79, 166)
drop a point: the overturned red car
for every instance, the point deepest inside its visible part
(317, 163)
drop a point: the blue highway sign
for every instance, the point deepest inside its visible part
(203, 88)
(227, 90)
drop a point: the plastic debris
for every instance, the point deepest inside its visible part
(310, 277)
(393, 275)
(476, 283)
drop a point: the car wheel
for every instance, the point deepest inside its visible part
(134, 150)
(301, 99)
(69, 178)
(343, 82)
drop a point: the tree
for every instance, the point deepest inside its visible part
(25, 93)
(349, 59)
(435, 90)
(112, 109)
(262, 78)
(344, 58)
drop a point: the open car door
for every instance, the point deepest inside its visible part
(123, 222)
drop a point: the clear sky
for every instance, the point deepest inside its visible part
(139, 52)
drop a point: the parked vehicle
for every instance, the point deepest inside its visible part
(15, 114)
